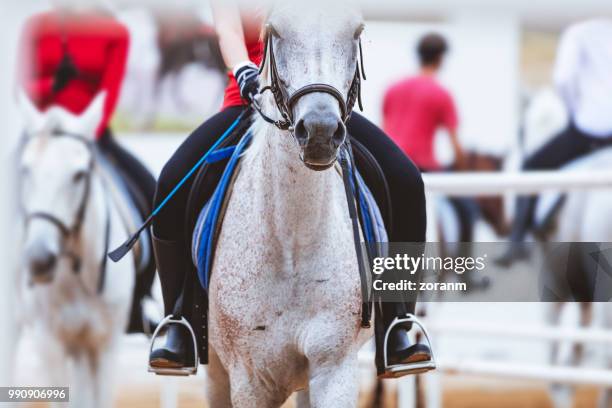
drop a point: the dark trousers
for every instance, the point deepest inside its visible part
(404, 180)
(568, 145)
(467, 213)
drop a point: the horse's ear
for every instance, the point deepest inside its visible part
(32, 117)
(91, 117)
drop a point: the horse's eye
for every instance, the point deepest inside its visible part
(79, 176)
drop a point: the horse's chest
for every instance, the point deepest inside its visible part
(72, 315)
(283, 258)
(284, 237)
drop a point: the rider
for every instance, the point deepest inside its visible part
(239, 32)
(415, 107)
(67, 56)
(583, 77)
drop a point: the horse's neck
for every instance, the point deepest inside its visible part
(293, 199)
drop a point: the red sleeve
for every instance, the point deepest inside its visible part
(28, 78)
(114, 73)
(449, 116)
(385, 107)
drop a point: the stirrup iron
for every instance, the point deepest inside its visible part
(408, 368)
(182, 371)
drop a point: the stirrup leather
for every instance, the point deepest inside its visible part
(182, 371)
(418, 367)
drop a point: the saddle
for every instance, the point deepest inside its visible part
(133, 208)
(208, 199)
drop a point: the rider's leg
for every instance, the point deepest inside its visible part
(563, 148)
(403, 177)
(138, 177)
(171, 250)
(409, 224)
(467, 211)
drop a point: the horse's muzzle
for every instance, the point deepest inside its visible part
(41, 263)
(319, 135)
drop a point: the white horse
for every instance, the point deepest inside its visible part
(70, 220)
(586, 216)
(285, 301)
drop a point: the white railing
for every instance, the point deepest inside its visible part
(497, 183)
(467, 184)
(526, 332)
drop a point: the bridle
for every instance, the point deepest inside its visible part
(71, 233)
(285, 102)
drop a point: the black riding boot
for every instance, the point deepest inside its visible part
(139, 322)
(171, 266)
(399, 348)
(401, 353)
(525, 207)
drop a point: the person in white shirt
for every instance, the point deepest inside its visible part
(583, 77)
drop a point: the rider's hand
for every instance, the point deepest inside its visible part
(247, 76)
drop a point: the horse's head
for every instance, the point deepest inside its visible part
(55, 169)
(312, 68)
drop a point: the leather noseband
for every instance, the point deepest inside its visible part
(285, 103)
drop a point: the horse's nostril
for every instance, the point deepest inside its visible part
(42, 263)
(339, 135)
(301, 134)
(320, 128)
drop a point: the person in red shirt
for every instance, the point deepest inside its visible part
(239, 30)
(414, 108)
(66, 57)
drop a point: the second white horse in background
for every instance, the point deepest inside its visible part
(73, 302)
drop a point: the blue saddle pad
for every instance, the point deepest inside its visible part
(203, 240)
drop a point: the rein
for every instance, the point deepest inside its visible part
(285, 102)
(72, 233)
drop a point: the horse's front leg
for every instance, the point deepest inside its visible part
(302, 399)
(605, 399)
(218, 384)
(552, 317)
(54, 363)
(334, 386)
(102, 376)
(249, 391)
(82, 389)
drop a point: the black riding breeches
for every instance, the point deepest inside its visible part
(568, 145)
(170, 222)
(404, 180)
